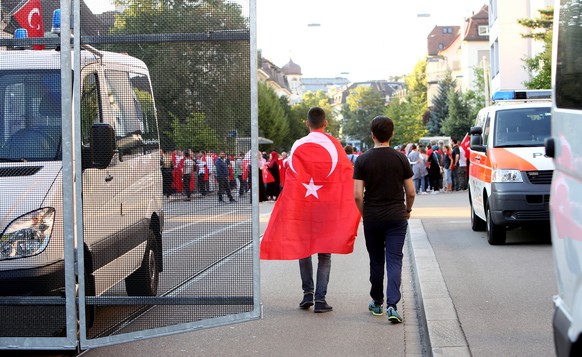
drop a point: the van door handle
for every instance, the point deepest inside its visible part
(477, 158)
(108, 178)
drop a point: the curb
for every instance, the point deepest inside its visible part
(437, 312)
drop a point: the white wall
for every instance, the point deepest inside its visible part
(512, 48)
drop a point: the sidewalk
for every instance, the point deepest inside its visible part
(286, 330)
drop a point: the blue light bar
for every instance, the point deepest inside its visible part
(503, 95)
(21, 33)
(56, 26)
(521, 94)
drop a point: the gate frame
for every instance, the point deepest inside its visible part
(256, 313)
(75, 305)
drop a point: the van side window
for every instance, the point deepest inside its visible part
(486, 128)
(133, 109)
(144, 104)
(89, 106)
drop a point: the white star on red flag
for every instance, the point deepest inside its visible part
(311, 189)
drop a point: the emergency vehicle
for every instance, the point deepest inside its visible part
(121, 179)
(509, 173)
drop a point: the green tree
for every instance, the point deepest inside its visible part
(458, 122)
(193, 133)
(208, 77)
(409, 114)
(362, 105)
(440, 108)
(273, 122)
(296, 115)
(540, 66)
(320, 99)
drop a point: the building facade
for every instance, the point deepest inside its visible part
(507, 46)
(458, 50)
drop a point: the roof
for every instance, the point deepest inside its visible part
(274, 73)
(481, 18)
(315, 84)
(440, 38)
(387, 88)
(292, 68)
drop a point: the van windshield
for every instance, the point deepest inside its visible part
(30, 115)
(522, 127)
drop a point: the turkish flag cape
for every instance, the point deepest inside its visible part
(29, 16)
(316, 212)
(267, 175)
(177, 181)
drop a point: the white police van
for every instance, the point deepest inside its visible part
(565, 147)
(121, 179)
(509, 173)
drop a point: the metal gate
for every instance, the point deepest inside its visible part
(128, 209)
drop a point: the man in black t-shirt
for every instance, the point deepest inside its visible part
(384, 193)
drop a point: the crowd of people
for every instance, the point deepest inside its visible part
(186, 173)
(437, 167)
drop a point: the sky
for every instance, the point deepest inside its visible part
(359, 40)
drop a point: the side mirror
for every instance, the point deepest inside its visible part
(102, 147)
(476, 142)
(550, 145)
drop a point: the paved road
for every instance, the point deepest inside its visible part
(502, 295)
(478, 300)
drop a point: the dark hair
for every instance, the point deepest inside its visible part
(316, 117)
(349, 149)
(382, 128)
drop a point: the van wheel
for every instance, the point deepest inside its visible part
(495, 233)
(477, 224)
(144, 281)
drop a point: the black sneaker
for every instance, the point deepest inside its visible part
(307, 301)
(322, 306)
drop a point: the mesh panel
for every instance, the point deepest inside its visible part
(166, 219)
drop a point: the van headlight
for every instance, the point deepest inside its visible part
(27, 235)
(506, 176)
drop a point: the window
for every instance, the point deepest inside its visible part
(483, 30)
(568, 69)
(494, 58)
(89, 106)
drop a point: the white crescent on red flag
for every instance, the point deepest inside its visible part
(316, 211)
(29, 17)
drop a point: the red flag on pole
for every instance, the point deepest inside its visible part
(465, 145)
(29, 17)
(316, 212)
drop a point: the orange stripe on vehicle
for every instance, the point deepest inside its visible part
(503, 159)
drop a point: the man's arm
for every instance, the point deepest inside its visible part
(359, 195)
(410, 195)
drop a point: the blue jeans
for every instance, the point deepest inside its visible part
(323, 269)
(419, 185)
(384, 242)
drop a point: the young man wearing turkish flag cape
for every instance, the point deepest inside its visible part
(316, 212)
